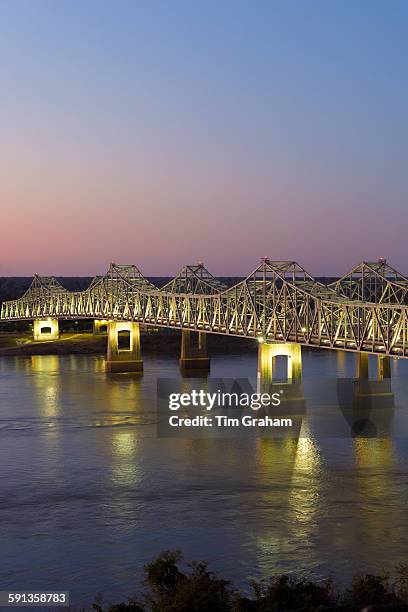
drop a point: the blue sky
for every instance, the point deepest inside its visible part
(164, 133)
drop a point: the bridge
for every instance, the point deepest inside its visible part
(279, 304)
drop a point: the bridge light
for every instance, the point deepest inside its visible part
(260, 339)
(303, 329)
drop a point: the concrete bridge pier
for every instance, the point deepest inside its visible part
(384, 367)
(100, 327)
(193, 358)
(292, 398)
(267, 354)
(124, 347)
(45, 329)
(362, 365)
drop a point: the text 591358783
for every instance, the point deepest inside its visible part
(34, 598)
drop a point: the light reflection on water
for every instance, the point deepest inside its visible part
(89, 494)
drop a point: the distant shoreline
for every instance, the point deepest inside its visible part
(166, 342)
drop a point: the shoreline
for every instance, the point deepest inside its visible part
(86, 343)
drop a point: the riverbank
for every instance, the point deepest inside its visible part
(69, 343)
(86, 343)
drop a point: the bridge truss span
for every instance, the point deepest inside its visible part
(194, 279)
(277, 302)
(374, 282)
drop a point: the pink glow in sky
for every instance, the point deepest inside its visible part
(197, 135)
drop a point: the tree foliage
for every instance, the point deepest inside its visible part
(169, 586)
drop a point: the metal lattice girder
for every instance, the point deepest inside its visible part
(194, 279)
(44, 285)
(278, 302)
(374, 282)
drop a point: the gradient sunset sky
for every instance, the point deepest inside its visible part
(164, 133)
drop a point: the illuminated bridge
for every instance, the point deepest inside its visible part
(279, 304)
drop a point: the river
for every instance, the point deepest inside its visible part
(89, 493)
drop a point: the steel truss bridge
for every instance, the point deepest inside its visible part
(364, 311)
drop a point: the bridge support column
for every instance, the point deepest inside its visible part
(45, 329)
(194, 358)
(100, 327)
(267, 354)
(292, 399)
(384, 367)
(362, 365)
(124, 347)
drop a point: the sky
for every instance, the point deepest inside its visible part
(167, 133)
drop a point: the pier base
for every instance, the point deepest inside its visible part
(194, 359)
(372, 393)
(123, 347)
(100, 327)
(45, 330)
(368, 393)
(367, 406)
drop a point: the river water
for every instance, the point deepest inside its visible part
(89, 493)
